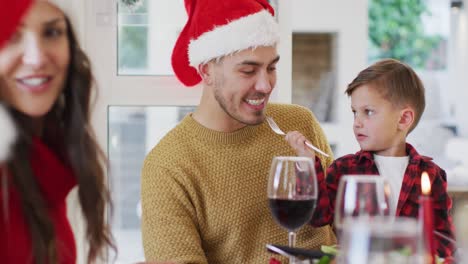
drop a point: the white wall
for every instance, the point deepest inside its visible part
(282, 92)
(349, 20)
(458, 67)
(172, 15)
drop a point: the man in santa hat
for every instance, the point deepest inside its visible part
(204, 186)
(10, 15)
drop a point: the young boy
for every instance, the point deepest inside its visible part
(387, 101)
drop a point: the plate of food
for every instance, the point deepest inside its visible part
(323, 256)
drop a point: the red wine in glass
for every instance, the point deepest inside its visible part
(292, 214)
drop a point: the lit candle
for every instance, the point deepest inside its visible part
(426, 214)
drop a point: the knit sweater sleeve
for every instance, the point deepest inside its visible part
(169, 225)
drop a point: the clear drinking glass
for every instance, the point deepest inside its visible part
(361, 196)
(292, 192)
(381, 240)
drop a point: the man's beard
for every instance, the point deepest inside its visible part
(224, 105)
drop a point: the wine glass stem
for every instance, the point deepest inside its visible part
(292, 238)
(292, 243)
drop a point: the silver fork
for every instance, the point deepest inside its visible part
(278, 131)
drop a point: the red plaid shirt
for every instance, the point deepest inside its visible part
(408, 202)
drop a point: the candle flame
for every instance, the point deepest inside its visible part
(425, 184)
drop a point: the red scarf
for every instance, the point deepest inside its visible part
(55, 181)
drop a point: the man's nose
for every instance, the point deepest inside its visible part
(264, 83)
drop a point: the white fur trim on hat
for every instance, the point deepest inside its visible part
(72, 9)
(255, 30)
(8, 136)
(62, 4)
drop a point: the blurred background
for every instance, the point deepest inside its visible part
(324, 44)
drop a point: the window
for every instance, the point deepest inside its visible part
(146, 36)
(133, 132)
(133, 39)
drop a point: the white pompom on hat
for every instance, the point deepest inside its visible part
(8, 131)
(220, 27)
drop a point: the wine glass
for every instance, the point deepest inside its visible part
(382, 240)
(460, 217)
(362, 196)
(292, 192)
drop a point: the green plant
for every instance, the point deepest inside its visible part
(396, 31)
(131, 4)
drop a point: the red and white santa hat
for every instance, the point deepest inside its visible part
(216, 28)
(10, 14)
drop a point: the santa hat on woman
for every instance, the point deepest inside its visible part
(217, 28)
(11, 13)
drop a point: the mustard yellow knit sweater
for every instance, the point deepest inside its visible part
(204, 192)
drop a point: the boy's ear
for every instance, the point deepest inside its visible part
(406, 118)
(206, 72)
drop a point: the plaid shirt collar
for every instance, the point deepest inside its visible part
(412, 173)
(414, 157)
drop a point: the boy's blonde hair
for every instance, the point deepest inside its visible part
(396, 82)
